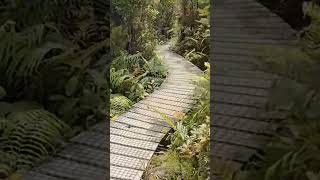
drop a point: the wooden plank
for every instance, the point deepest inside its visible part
(242, 82)
(128, 162)
(130, 151)
(239, 90)
(85, 155)
(242, 100)
(125, 173)
(238, 138)
(32, 175)
(241, 124)
(72, 170)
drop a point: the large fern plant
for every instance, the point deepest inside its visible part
(22, 53)
(28, 135)
(27, 138)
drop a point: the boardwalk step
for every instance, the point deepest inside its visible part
(242, 82)
(93, 139)
(72, 170)
(245, 139)
(130, 151)
(128, 162)
(31, 175)
(239, 90)
(241, 124)
(125, 173)
(237, 99)
(138, 130)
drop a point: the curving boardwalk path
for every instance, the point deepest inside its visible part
(132, 147)
(134, 136)
(239, 92)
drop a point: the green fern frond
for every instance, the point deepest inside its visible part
(32, 136)
(129, 62)
(117, 78)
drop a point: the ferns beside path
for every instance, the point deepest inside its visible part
(28, 137)
(53, 53)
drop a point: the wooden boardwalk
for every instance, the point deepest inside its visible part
(134, 136)
(239, 92)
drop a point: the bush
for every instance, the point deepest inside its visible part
(119, 104)
(193, 41)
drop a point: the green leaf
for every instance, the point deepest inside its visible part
(166, 118)
(4, 170)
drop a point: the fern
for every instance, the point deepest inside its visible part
(52, 56)
(28, 137)
(129, 62)
(119, 104)
(167, 119)
(311, 34)
(23, 52)
(117, 79)
(156, 68)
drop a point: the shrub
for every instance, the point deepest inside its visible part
(119, 104)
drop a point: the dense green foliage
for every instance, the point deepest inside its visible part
(135, 70)
(293, 154)
(194, 26)
(28, 135)
(165, 19)
(188, 155)
(291, 11)
(52, 53)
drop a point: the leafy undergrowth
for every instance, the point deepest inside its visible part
(187, 156)
(52, 83)
(136, 71)
(132, 78)
(194, 38)
(293, 154)
(28, 134)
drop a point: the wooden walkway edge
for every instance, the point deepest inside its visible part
(134, 136)
(239, 92)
